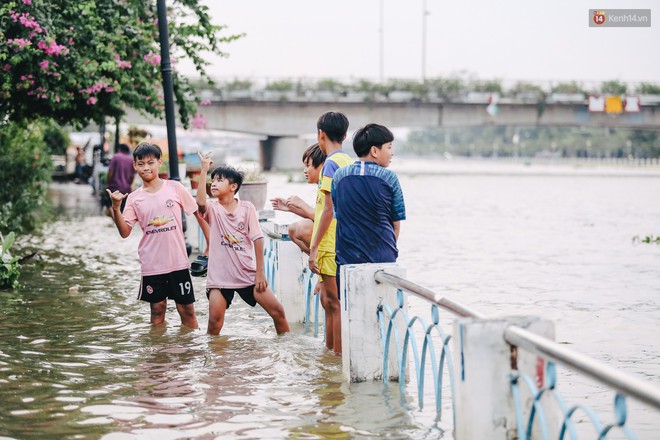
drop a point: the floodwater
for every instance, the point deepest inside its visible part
(79, 359)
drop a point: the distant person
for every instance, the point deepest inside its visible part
(332, 128)
(368, 201)
(300, 232)
(79, 173)
(157, 207)
(120, 175)
(236, 257)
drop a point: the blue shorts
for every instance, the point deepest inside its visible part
(175, 285)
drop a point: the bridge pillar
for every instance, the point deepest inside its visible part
(484, 362)
(282, 152)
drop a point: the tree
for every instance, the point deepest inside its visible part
(80, 61)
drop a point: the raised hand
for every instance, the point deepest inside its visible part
(116, 198)
(206, 161)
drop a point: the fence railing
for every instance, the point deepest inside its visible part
(538, 416)
(502, 373)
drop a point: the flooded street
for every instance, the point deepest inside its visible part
(79, 359)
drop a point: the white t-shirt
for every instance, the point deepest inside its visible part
(162, 248)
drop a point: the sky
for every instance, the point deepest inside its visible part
(483, 39)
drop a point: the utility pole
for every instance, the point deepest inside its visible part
(382, 40)
(425, 13)
(168, 89)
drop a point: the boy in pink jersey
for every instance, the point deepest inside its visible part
(236, 251)
(156, 206)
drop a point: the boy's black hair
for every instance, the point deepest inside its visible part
(314, 153)
(229, 173)
(146, 149)
(124, 148)
(371, 135)
(334, 125)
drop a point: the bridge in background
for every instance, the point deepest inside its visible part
(287, 121)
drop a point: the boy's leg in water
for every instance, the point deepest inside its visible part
(217, 309)
(187, 314)
(330, 287)
(329, 333)
(158, 312)
(273, 307)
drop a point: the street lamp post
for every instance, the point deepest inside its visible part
(382, 40)
(168, 89)
(425, 13)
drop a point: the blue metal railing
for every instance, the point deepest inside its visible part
(308, 279)
(517, 338)
(437, 368)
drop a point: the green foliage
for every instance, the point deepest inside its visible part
(447, 88)
(534, 141)
(489, 86)
(10, 266)
(80, 61)
(648, 89)
(646, 239)
(25, 168)
(613, 87)
(237, 84)
(285, 85)
(56, 138)
(525, 87)
(567, 87)
(330, 85)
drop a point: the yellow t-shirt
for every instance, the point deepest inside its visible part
(336, 160)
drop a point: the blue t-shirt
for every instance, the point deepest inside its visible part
(367, 200)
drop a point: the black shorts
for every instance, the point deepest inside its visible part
(247, 293)
(175, 285)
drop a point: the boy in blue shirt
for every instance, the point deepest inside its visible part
(368, 201)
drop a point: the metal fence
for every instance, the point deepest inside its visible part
(436, 347)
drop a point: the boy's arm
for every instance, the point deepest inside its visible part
(261, 284)
(117, 217)
(397, 228)
(299, 207)
(324, 224)
(200, 198)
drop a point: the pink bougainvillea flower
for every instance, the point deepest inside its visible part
(199, 121)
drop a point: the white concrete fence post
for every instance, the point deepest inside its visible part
(288, 282)
(362, 346)
(482, 365)
(290, 260)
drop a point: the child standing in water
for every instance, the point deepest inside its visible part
(156, 207)
(236, 250)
